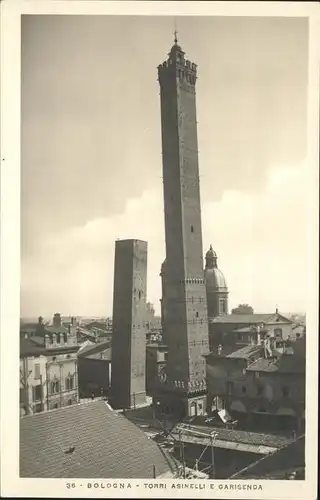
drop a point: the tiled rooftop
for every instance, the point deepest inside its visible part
(243, 319)
(284, 364)
(253, 438)
(52, 329)
(89, 350)
(245, 352)
(29, 348)
(291, 456)
(106, 445)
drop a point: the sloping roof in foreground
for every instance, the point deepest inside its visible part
(106, 445)
(275, 465)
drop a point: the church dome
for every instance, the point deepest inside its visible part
(215, 280)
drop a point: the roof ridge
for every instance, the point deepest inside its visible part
(79, 403)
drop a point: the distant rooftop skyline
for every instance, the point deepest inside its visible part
(91, 155)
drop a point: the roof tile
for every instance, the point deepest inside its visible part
(107, 445)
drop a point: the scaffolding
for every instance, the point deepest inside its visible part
(211, 441)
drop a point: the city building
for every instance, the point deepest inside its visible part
(129, 324)
(156, 358)
(33, 378)
(94, 369)
(186, 320)
(241, 329)
(216, 286)
(262, 387)
(48, 367)
(153, 322)
(89, 440)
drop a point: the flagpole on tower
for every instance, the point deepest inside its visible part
(175, 30)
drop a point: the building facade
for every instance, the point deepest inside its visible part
(94, 369)
(241, 329)
(262, 388)
(48, 367)
(33, 381)
(156, 358)
(129, 324)
(186, 323)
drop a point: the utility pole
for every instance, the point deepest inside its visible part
(182, 453)
(213, 435)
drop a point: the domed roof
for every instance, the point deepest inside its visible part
(215, 279)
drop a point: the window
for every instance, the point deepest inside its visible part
(38, 408)
(222, 306)
(68, 356)
(37, 371)
(55, 386)
(37, 393)
(197, 315)
(244, 389)
(278, 332)
(139, 294)
(54, 358)
(192, 229)
(285, 392)
(55, 406)
(69, 383)
(69, 402)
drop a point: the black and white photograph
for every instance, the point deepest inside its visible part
(166, 292)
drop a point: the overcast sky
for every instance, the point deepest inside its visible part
(91, 154)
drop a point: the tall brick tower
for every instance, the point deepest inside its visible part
(128, 362)
(186, 322)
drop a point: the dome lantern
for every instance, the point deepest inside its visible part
(211, 258)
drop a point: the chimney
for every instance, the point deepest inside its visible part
(57, 319)
(258, 335)
(46, 341)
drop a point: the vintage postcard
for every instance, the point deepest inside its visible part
(159, 249)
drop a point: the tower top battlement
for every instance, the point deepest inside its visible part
(177, 65)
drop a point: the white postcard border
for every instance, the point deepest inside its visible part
(11, 484)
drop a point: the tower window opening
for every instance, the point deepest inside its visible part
(192, 229)
(197, 314)
(139, 294)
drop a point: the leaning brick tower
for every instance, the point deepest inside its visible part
(186, 322)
